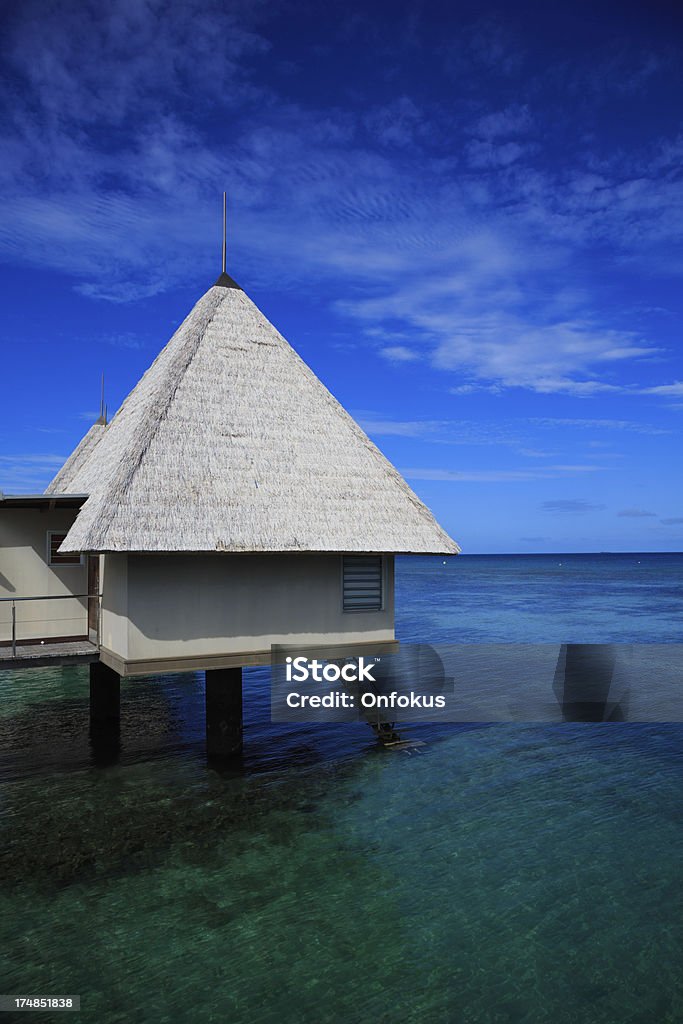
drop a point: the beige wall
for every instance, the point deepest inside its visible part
(24, 572)
(186, 606)
(114, 590)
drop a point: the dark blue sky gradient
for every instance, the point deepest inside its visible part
(467, 218)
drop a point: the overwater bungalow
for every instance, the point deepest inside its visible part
(230, 505)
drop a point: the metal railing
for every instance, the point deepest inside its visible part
(53, 597)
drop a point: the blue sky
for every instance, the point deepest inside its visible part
(467, 218)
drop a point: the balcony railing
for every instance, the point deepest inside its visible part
(53, 597)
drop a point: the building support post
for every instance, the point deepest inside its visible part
(105, 705)
(223, 713)
(105, 696)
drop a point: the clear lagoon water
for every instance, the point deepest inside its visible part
(498, 873)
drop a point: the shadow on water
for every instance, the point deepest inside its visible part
(583, 684)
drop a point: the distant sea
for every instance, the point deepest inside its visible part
(596, 598)
(498, 874)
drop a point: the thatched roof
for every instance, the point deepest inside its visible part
(231, 443)
(74, 465)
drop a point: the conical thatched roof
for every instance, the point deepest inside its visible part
(75, 464)
(231, 443)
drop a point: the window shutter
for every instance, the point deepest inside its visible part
(362, 583)
(55, 558)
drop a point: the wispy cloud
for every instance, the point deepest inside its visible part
(535, 453)
(497, 475)
(399, 354)
(526, 437)
(443, 432)
(125, 339)
(636, 513)
(26, 473)
(397, 123)
(634, 426)
(99, 174)
(469, 389)
(571, 506)
(485, 323)
(510, 434)
(673, 521)
(482, 153)
(513, 120)
(474, 250)
(400, 428)
(674, 390)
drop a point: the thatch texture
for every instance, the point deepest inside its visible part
(231, 443)
(62, 483)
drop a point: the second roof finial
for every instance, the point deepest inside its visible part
(225, 226)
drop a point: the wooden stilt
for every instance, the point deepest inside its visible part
(105, 706)
(223, 712)
(105, 695)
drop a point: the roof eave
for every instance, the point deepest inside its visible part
(430, 551)
(41, 500)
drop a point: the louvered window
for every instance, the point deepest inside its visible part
(54, 557)
(362, 583)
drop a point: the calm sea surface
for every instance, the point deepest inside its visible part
(507, 873)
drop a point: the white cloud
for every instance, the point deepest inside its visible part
(479, 322)
(399, 354)
(399, 428)
(496, 475)
(513, 120)
(469, 389)
(483, 154)
(674, 390)
(138, 55)
(634, 426)
(571, 506)
(397, 123)
(505, 305)
(24, 473)
(444, 432)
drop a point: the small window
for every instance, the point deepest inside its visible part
(362, 583)
(54, 557)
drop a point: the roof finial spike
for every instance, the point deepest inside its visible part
(103, 408)
(225, 227)
(225, 281)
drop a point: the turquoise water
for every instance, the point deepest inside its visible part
(504, 873)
